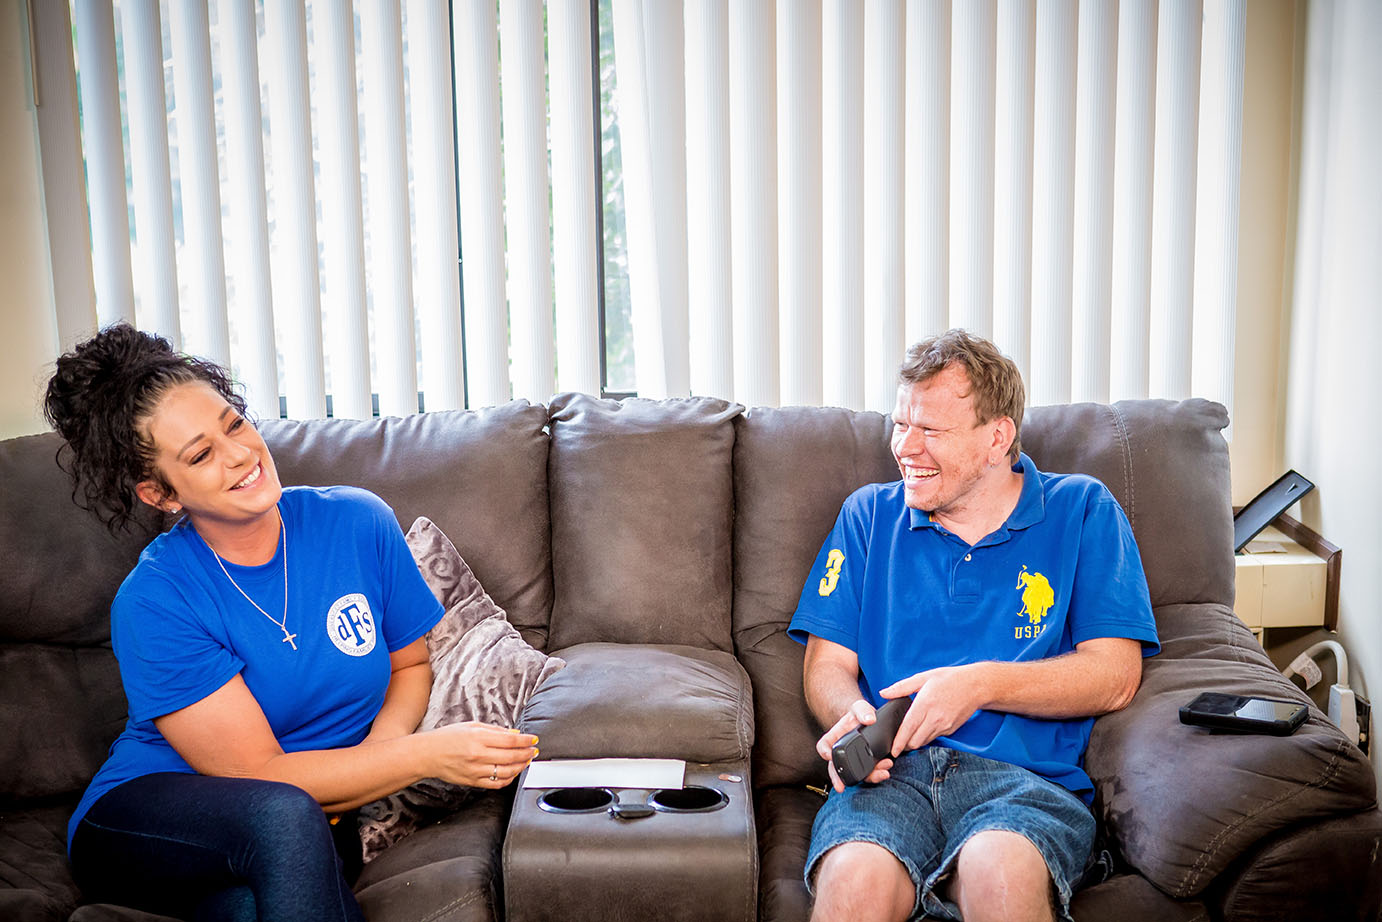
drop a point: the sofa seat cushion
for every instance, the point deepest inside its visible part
(1132, 898)
(108, 912)
(643, 701)
(449, 870)
(1184, 802)
(1326, 870)
(785, 815)
(35, 879)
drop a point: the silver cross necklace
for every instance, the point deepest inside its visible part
(288, 638)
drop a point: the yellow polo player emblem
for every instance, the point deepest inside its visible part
(1037, 595)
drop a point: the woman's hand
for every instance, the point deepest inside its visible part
(226, 734)
(478, 755)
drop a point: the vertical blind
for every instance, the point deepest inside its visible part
(373, 199)
(1062, 176)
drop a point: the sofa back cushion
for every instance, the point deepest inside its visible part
(61, 702)
(1165, 462)
(480, 475)
(793, 467)
(642, 513)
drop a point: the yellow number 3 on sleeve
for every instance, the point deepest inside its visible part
(833, 561)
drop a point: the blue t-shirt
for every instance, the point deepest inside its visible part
(906, 595)
(181, 630)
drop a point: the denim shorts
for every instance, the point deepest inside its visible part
(936, 799)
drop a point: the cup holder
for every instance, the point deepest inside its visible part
(693, 799)
(576, 800)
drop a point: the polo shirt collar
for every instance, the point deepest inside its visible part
(1031, 503)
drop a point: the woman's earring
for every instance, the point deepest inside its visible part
(174, 510)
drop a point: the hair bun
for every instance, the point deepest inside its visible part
(103, 370)
(99, 399)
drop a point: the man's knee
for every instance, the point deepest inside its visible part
(998, 852)
(1002, 875)
(862, 880)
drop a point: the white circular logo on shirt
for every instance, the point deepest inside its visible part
(350, 625)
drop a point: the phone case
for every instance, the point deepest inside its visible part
(1202, 713)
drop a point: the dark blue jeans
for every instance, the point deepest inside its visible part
(222, 849)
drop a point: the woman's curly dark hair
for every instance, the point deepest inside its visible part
(100, 400)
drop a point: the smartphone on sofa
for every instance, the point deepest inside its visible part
(1243, 714)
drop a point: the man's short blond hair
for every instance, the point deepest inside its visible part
(994, 379)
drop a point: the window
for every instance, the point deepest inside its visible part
(471, 201)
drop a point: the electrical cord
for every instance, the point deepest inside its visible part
(1343, 704)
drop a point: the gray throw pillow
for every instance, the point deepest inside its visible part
(482, 670)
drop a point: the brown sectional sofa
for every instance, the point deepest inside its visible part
(691, 524)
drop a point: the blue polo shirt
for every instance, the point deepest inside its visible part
(906, 595)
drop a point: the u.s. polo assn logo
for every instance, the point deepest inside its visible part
(350, 625)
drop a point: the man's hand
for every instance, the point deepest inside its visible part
(945, 698)
(859, 714)
(1100, 676)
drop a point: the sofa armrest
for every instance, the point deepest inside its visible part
(1183, 803)
(643, 701)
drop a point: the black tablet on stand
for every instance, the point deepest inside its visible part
(1266, 506)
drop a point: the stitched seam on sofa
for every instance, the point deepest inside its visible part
(745, 713)
(1325, 775)
(15, 877)
(750, 839)
(452, 906)
(1239, 651)
(1231, 638)
(1125, 456)
(504, 864)
(1217, 842)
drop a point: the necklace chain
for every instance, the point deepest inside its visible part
(288, 638)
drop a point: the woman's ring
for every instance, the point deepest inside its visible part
(494, 775)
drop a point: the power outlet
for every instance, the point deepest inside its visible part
(1364, 722)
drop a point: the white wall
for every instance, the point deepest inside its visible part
(27, 326)
(1335, 356)
(1269, 82)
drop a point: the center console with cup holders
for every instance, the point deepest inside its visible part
(687, 853)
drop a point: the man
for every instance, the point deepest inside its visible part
(1012, 605)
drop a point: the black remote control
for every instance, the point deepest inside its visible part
(859, 750)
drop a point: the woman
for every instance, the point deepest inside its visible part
(270, 644)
